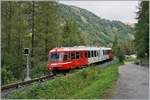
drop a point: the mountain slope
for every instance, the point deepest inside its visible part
(95, 30)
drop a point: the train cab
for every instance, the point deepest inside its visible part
(64, 59)
(54, 60)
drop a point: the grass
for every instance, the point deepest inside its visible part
(88, 83)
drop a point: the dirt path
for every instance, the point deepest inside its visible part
(133, 83)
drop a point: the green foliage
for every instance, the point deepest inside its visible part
(120, 54)
(39, 70)
(142, 30)
(87, 83)
(7, 76)
(71, 35)
(13, 30)
(128, 46)
(117, 50)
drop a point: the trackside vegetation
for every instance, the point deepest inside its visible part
(87, 83)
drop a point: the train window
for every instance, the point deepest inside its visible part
(92, 53)
(54, 57)
(72, 55)
(104, 52)
(89, 54)
(77, 55)
(95, 53)
(85, 54)
(65, 57)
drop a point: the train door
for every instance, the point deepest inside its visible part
(83, 60)
(99, 55)
(97, 58)
(90, 57)
(102, 55)
(67, 60)
(78, 59)
(73, 59)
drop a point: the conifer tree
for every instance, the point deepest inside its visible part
(71, 35)
(118, 50)
(142, 30)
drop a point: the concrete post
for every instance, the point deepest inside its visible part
(26, 53)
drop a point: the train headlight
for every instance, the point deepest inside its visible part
(54, 64)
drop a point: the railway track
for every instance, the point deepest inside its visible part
(23, 83)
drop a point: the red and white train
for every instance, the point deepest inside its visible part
(66, 58)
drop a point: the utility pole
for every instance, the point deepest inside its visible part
(26, 53)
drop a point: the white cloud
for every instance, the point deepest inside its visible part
(112, 10)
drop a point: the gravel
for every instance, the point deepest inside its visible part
(133, 83)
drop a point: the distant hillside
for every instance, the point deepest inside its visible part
(130, 24)
(95, 30)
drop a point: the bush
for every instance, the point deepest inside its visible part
(119, 53)
(7, 76)
(121, 56)
(39, 70)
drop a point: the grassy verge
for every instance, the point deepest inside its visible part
(91, 82)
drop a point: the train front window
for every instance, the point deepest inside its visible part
(55, 57)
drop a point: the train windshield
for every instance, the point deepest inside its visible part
(54, 57)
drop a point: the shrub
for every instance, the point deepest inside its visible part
(7, 76)
(39, 70)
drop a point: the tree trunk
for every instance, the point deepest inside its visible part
(9, 27)
(33, 34)
(46, 40)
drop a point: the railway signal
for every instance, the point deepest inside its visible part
(26, 53)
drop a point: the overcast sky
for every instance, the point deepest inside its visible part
(113, 10)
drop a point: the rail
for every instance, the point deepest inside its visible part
(16, 85)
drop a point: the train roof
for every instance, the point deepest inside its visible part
(78, 48)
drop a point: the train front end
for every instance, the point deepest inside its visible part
(54, 60)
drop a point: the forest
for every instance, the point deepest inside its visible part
(41, 26)
(33, 25)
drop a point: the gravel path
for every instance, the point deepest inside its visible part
(133, 83)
